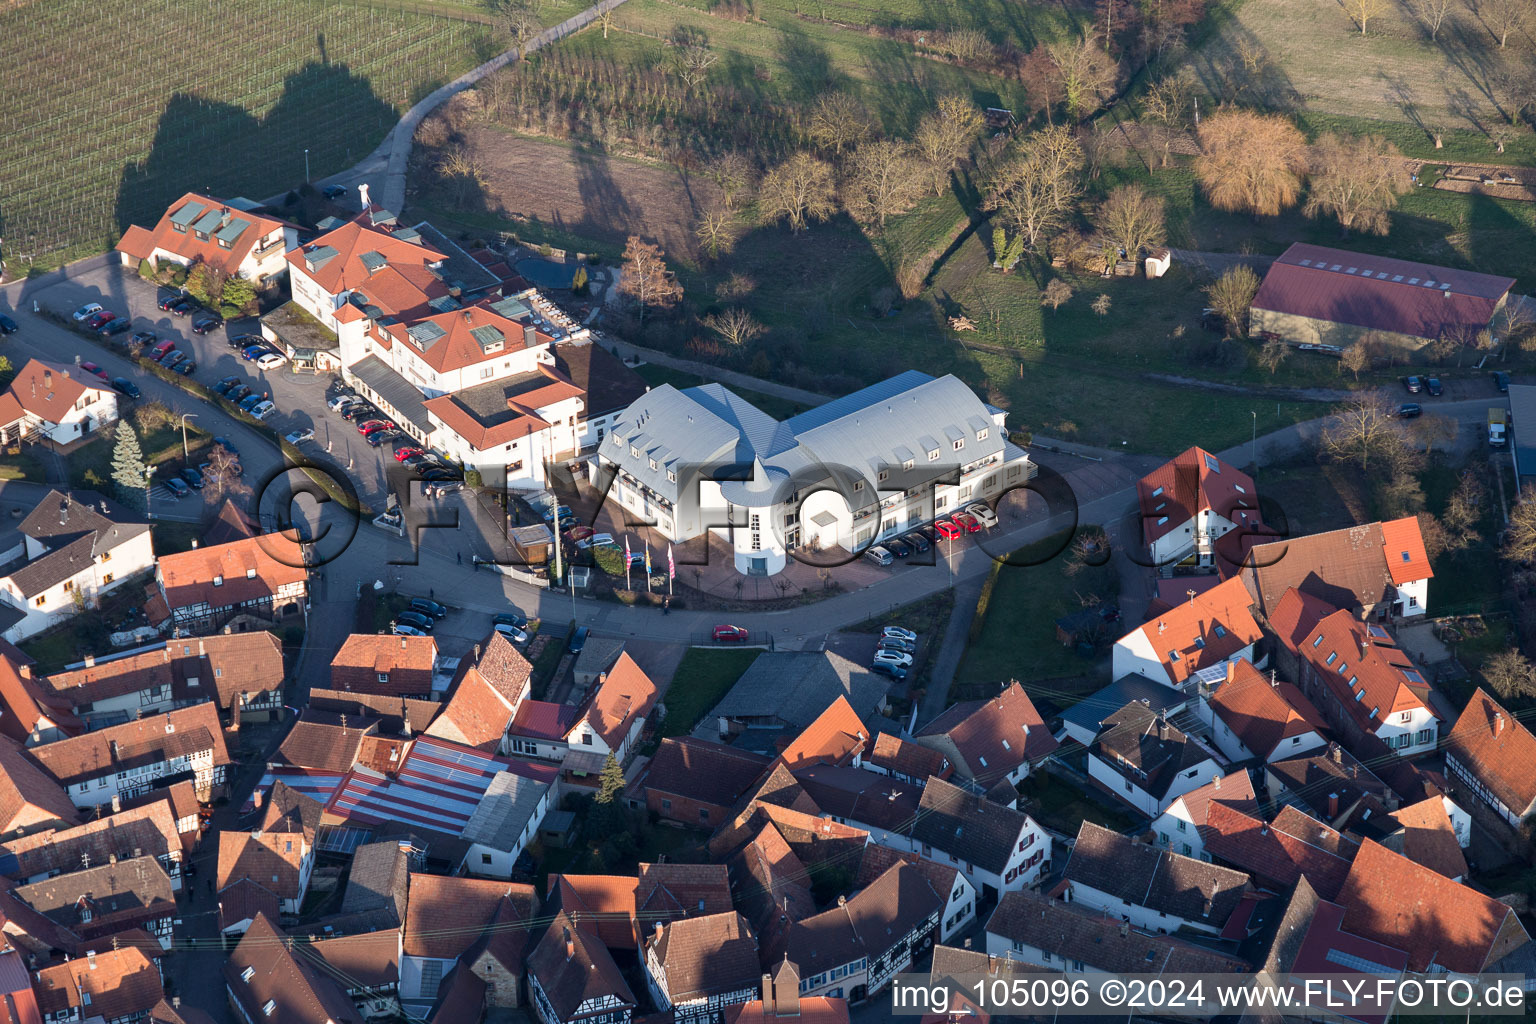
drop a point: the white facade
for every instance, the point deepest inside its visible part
(489, 860)
(93, 409)
(959, 908)
(1122, 786)
(92, 793)
(1145, 918)
(1410, 733)
(699, 1008)
(1135, 654)
(262, 264)
(1176, 831)
(602, 1009)
(1195, 538)
(92, 580)
(520, 462)
(1412, 598)
(1233, 747)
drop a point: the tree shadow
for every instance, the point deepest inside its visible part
(808, 63)
(220, 149)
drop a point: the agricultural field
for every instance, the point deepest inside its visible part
(1313, 59)
(107, 128)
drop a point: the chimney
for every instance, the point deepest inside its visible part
(90, 661)
(202, 648)
(1216, 782)
(1231, 669)
(362, 191)
(767, 995)
(570, 945)
(658, 931)
(112, 746)
(1365, 647)
(842, 900)
(90, 957)
(117, 803)
(1498, 723)
(402, 643)
(530, 336)
(1333, 806)
(1335, 754)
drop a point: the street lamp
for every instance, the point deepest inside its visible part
(185, 454)
(306, 166)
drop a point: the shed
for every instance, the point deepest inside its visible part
(1522, 410)
(533, 543)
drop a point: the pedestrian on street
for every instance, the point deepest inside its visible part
(432, 593)
(460, 556)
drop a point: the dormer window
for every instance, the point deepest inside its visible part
(981, 435)
(250, 574)
(634, 452)
(671, 477)
(247, 974)
(960, 444)
(883, 475)
(908, 464)
(218, 581)
(933, 456)
(654, 464)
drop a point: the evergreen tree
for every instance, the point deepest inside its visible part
(608, 805)
(128, 466)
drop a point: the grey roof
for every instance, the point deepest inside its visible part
(794, 687)
(231, 231)
(965, 825)
(1145, 749)
(1157, 879)
(598, 654)
(188, 213)
(1092, 710)
(394, 389)
(458, 267)
(75, 534)
(378, 879)
(504, 811)
(721, 435)
(1522, 408)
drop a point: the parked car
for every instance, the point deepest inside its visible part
(249, 402)
(1501, 381)
(251, 353)
(207, 325)
(403, 629)
(562, 511)
(885, 668)
(171, 358)
(984, 515)
(183, 307)
(730, 634)
(930, 533)
(898, 548)
(879, 555)
(898, 658)
(374, 426)
(380, 437)
(334, 191)
(966, 521)
(226, 383)
(899, 633)
(95, 371)
(1408, 410)
(511, 632)
(7, 325)
(270, 361)
(300, 436)
(918, 542)
(142, 338)
(166, 302)
(416, 619)
(193, 478)
(578, 639)
(178, 488)
(124, 386)
(422, 606)
(1433, 386)
(597, 540)
(891, 643)
(86, 311)
(226, 444)
(238, 393)
(263, 409)
(339, 402)
(95, 320)
(1413, 384)
(160, 349)
(186, 368)
(578, 533)
(117, 325)
(515, 619)
(439, 474)
(244, 341)
(359, 411)
(947, 529)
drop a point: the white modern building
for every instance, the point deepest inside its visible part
(845, 475)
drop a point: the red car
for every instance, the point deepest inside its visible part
(577, 533)
(369, 426)
(401, 454)
(947, 529)
(92, 368)
(730, 634)
(968, 521)
(95, 320)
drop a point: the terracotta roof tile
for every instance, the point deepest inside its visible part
(1146, 749)
(150, 829)
(324, 741)
(101, 900)
(1263, 714)
(665, 892)
(113, 984)
(602, 904)
(48, 391)
(460, 342)
(572, 967)
(1404, 544)
(271, 859)
(878, 859)
(711, 955)
(1234, 790)
(1203, 631)
(244, 900)
(402, 286)
(298, 992)
(365, 960)
(1190, 483)
(29, 797)
(1497, 749)
(407, 662)
(222, 665)
(144, 741)
(903, 757)
(396, 714)
(523, 396)
(772, 888)
(1279, 853)
(468, 902)
(25, 706)
(476, 715)
(837, 736)
(995, 735)
(868, 924)
(703, 770)
(1428, 838)
(140, 242)
(1349, 568)
(233, 573)
(1157, 879)
(1387, 294)
(961, 824)
(625, 695)
(1392, 900)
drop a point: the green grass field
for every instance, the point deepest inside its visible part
(111, 113)
(702, 678)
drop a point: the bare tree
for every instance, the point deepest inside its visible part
(716, 233)
(1433, 429)
(1503, 17)
(1232, 294)
(1510, 675)
(735, 326)
(645, 277)
(1085, 72)
(799, 189)
(733, 173)
(1354, 359)
(1431, 14)
(691, 58)
(945, 135)
(462, 164)
(521, 18)
(1363, 430)
(1520, 536)
(838, 122)
(1356, 179)
(1166, 109)
(222, 479)
(883, 179)
(1514, 317)
(605, 19)
(1362, 11)
(1037, 187)
(1250, 161)
(1464, 512)
(1273, 354)
(1132, 219)
(1056, 294)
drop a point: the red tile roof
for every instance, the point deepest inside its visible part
(270, 859)
(544, 719)
(623, 695)
(470, 903)
(995, 735)
(113, 983)
(29, 797)
(1404, 545)
(602, 904)
(456, 347)
(1355, 567)
(1392, 900)
(572, 967)
(144, 741)
(25, 704)
(1261, 713)
(403, 284)
(18, 1001)
(1428, 837)
(48, 391)
(1205, 630)
(1190, 483)
(477, 715)
(1235, 790)
(1274, 855)
(903, 757)
(703, 770)
(1498, 749)
(406, 661)
(525, 397)
(712, 955)
(835, 737)
(1325, 934)
(223, 665)
(1360, 664)
(139, 242)
(1385, 294)
(231, 574)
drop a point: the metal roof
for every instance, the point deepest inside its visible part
(232, 230)
(187, 214)
(504, 811)
(208, 221)
(394, 389)
(372, 261)
(1522, 407)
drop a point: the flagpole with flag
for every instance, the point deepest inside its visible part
(671, 570)
(626, 561)
(647, 566)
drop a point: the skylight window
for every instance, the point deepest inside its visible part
(1413, 675)
(1319, 641)
(1360, 693)
(1174, 656)
(1157, 493)
(1407, 557)
(1200, 642)
(1343, 667)
(1160, 506)
(1220, 630)
(1211, 464)
(1163, 521)
(1352, 681)
(1239, 488)
(1332, 657)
